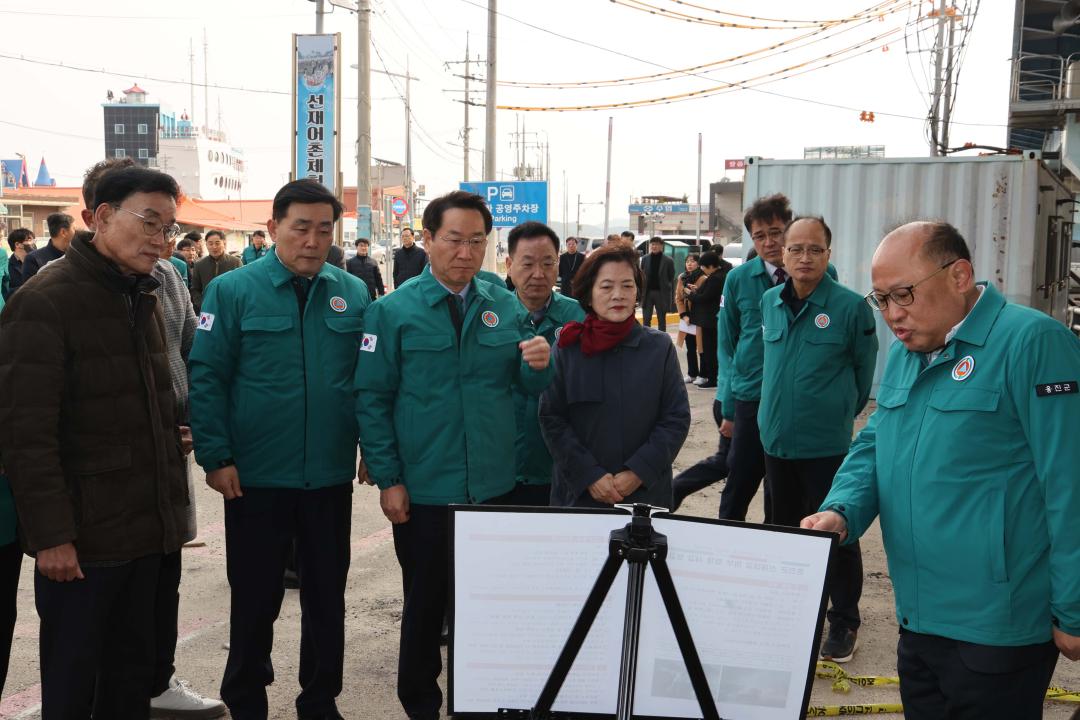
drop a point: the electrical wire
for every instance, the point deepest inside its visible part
(839, 56)
(705, 69)
(784, 96)
(748, 17)
(658, 11)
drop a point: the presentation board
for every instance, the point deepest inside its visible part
(753, 596)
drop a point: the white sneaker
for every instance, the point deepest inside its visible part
(700, 381)
(688, 378)
(180, 701)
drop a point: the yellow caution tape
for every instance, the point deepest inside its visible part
(865, 709)
(1062, 695)
(842, 682)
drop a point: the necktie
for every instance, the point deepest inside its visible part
(301, 286)
(457, 311)
(780, 275)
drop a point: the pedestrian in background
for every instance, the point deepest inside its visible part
(409, 259)
(256, 248)
(820, 350)
(22, 243)
(616, 414)
(659, 272)
(271, 412)
(217, 262)
(705, 299)
(61, 232)
(569, 263)
(364, 267)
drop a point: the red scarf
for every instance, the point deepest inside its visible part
(596, 335)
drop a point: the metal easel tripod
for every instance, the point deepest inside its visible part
(639, 545)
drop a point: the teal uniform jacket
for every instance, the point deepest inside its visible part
(436, 411)
(972, 464)
(272, 388)
(181, 267)
(817, 372)
(533, 459)
(251, 254)
(738, 334)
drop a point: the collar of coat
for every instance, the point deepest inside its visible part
(280, 275)
(85, 256)
(819, 297)
(434, 293)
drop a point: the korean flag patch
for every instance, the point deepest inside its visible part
(206, 321)
(368, 343)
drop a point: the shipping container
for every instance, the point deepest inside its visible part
(1015, 214)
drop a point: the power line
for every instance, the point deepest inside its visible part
(50, 132)
(246, 18)
(773, 93)
(658, 11)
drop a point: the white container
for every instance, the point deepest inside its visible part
(1015, 214)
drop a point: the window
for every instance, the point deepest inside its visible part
(142, 128)
(120, 152)
(118, 129)
(144, 154)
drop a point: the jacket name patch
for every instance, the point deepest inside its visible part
(1065, 387)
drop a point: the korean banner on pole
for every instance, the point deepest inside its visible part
(317, 109)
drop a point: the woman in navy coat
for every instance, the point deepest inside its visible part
(616, 414)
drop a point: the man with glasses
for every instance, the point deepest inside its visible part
(21, 242)
(820, 349)
(93, 455)
(971, 463)
(532, 266)
(217, 262)
(440, 361)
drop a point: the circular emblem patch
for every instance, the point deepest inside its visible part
(338, 304)
(822, 321)
(489, 318)
(962, 370)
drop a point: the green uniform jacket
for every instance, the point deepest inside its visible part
(437, 412)
(272, 389)
(252, 253)
(818, 369)
(972, 463)
(533, 458)
(738, 334)
(181, 267)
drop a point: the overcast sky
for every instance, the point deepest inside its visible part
(49, 109)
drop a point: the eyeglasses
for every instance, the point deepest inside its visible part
(154, 227)
(815, 251)
(902, 296)
(772, 234)
(528, 267)
(472, 243)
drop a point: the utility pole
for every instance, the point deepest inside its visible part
(465, 131)
(363, 122)
(607, 187)
(946, 114)
(320, 11)
(408, 136)
(489, 128)
(206, 84)
(698, 234)
(191, 72)
(935, 112)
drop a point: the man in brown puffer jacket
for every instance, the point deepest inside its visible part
(92, 449)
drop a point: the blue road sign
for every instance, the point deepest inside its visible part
(512, 202)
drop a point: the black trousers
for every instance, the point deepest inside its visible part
(746, 465)
(654, 300)
(691, 355)
(166, 619)
(798, 487)
(709, 363)
(422, 548)
(259, 530)
(97, 641)
(531, 495)
(711, 470)
(943, 679)
(10, 564)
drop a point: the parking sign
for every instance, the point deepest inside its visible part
(512, 202)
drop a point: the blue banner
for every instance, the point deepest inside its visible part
(662, 208)
(315, 87)
(512, 202)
